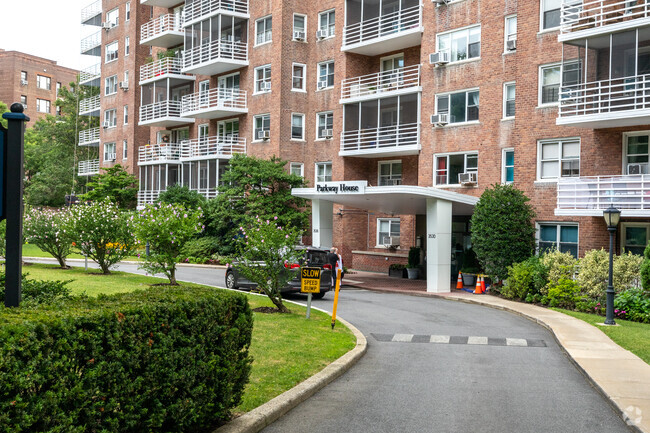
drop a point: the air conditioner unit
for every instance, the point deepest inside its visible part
(321, 85)
(439, 58)
(299, 36)
(266, 86)
(637, 168)
(107, 124)
(391, 182)
(108, 25)
(109, 157)
(322, 34)
(470, 178)
(327, 133)
(441, 2)
(23, 82)
(263, 135)
(393, 241)
(511, 44)
(441, 119)
(124, 85)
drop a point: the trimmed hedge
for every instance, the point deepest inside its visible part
(157, 360)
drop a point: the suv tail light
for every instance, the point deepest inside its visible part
(292, 265)
(327, 266)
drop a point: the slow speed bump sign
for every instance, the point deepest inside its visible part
(310, 280)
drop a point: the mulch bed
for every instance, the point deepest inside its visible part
(266, 310)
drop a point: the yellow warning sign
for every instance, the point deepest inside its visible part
(310, 280)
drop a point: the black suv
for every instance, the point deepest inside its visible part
(313, 257)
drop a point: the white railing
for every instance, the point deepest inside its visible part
(375, 84)
(200, 8)
(213, 146)
(378, 139)
(159, 152)
(580, 15)
(88, 136)
(226, 99)
(217, 50)
(89, 104)
(385, 25)
(91, 41)
(91, 73)
(148, 197)
(167, 65)
(606, 96)
(159, 110)
(599, 192)
(92, 10)
(162, 24)
(88, 168)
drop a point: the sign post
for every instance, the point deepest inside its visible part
(309, 283)
(336, 296)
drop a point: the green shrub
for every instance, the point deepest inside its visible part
(396, 267)
(200, 248)
(594, 273)
(633, 304)
(525, 279)
(645, 269)
(3, 238)
(414, 257)
(157, 360)
(559, 265)
(36, 292)
(564, 294)
(470, 264)
(626, 271)
(179, 194)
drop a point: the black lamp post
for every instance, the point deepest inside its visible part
(612, 217)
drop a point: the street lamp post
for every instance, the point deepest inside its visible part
(612, 217)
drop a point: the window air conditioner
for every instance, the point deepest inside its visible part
(299, 36)
(327, 133)
(322, 34)
(391, 182)
(322, 85)
(23, 82)
(441, 119)
(124, 85)
(467, 178)
(109, 157)
(107, 124)
(637, 168)
(266, 86)
(511, 44)
(393, 241)
(263, 135)
(439, 58)
(107, 25)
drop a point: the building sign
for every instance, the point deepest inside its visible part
(345, 187)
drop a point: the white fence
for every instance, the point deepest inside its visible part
(386, 81)
(385, 25)
(88, 168)
(214, 99)
(213, 146)
(599, 192)
(380, 139)
(579, 15)
(159, 110)
(201, 8)
(88, 136)
(216, 50)
(162, 24)
(167, 65)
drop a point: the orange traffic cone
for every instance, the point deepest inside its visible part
(483, 285)
(459, 283)
(477, 290)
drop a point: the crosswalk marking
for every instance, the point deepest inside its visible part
(403, 338)
(439, 339)
(460, 340)
(477, 340)
(516, 342)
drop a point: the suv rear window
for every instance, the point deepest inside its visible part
(316, 258)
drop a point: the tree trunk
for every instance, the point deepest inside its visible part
(278, 303)
(62, 262)
(172, 277)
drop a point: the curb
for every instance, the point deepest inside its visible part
(266, 414)
(131, 262)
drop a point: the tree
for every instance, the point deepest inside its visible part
(179, 194)
(116, 184)
(3, 109)
(49, 231)
(502, 229)
(251, 188)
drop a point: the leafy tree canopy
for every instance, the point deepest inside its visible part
(115, 184)
(179, 194)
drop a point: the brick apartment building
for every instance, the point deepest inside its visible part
(399, 113)
(33, 81)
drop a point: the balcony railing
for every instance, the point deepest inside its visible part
(90, 74)
(592, 195)
(161, 68)
(386, 139)
(219, 100)
(91, 44)
(160, 110)
(217, 146)
(385, 25)
(216, 51)
(88, 168)
(91, 11)
(89, 137)
(163, 25)
(89, 105)
(203, 8)
(150, 196)
(381, 82)
(581, 15)
(159, 152)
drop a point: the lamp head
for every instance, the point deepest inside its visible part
(612, 216)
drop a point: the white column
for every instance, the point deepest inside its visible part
(322, 223)
(438, 245)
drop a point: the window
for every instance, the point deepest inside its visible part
(43, 82)
(324, 124)
(387, 228)
(509, 100)
(510, 30)
(23, 78)
(323, 172)
(127, 12)
(109, 151)
(550, 84)
(42, 105)
(636, 154)
(111, 52)
(263, 32)
(58, 88)
(110, 87)
(563, 237)
(461, 106)
(326, 22)
(57, 109)
(461, 44)
(204, 132)
(390, 173)
(550, 10)
(298, 77)
(448, 167)
(125, 150)
(262, 124)
(508, 166)
(204, 93)
(263, 79)
(297, 126)
(113, 16)
(127, 45)
(325, 75)
(23, 100)
(110, 118)
(126, 114)
(299, 27)
(634, 237)
(126, 77)
(558, 158)
(297, 169)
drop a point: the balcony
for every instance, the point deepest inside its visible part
(202, 9)
(92, 45)
(386, 33)
(387, 83)
(212, 147)
(165, 31)
(216, 57)
(580, 19)
(395, 140)
(214, 104)
(162, 3)
(150, 196)
(589, 196)
(88, 168)
(606, 103)
(91, 76)
(159, 153)
(91, 15)
(164, 113)
(90, 106)
(89, 137)
(168, 67)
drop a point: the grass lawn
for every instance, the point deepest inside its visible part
(632, 336)
(286, 348)
(30, 250)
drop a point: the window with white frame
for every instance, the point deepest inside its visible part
(113, 16)
(126, 114)
(23, 78)
(450, 166)
(299, 27)
(558, 158)
(297, 126)
(204, 93)
(326, 22)
(23, 100)
(263, 79)
(127, 45)
(323, 172)
(509, 100)
(43, 82)
(297, 169)
(550, 14)
(57, 109)
(298, 77)
(125, 150)
(110, 85)
(461, 44)
(387, 228)
(390, 173)
(204, 132)
(508, 166)
(110, 118)
(261, 126)
(263, 30)
(510, 31)
(127, 11)
(126, 77)
(634, 237)
(636, 155)
(42, 105)
(554, 236)
(109, 152)
(324, 125)
(549, 84)
(58, 88)
(111, 52)
(461, 106)
(325, 75)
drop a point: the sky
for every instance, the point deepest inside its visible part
(46, 28)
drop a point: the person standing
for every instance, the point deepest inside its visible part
(332, 259)
(339, 263)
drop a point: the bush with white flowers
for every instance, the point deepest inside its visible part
(48, 230)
